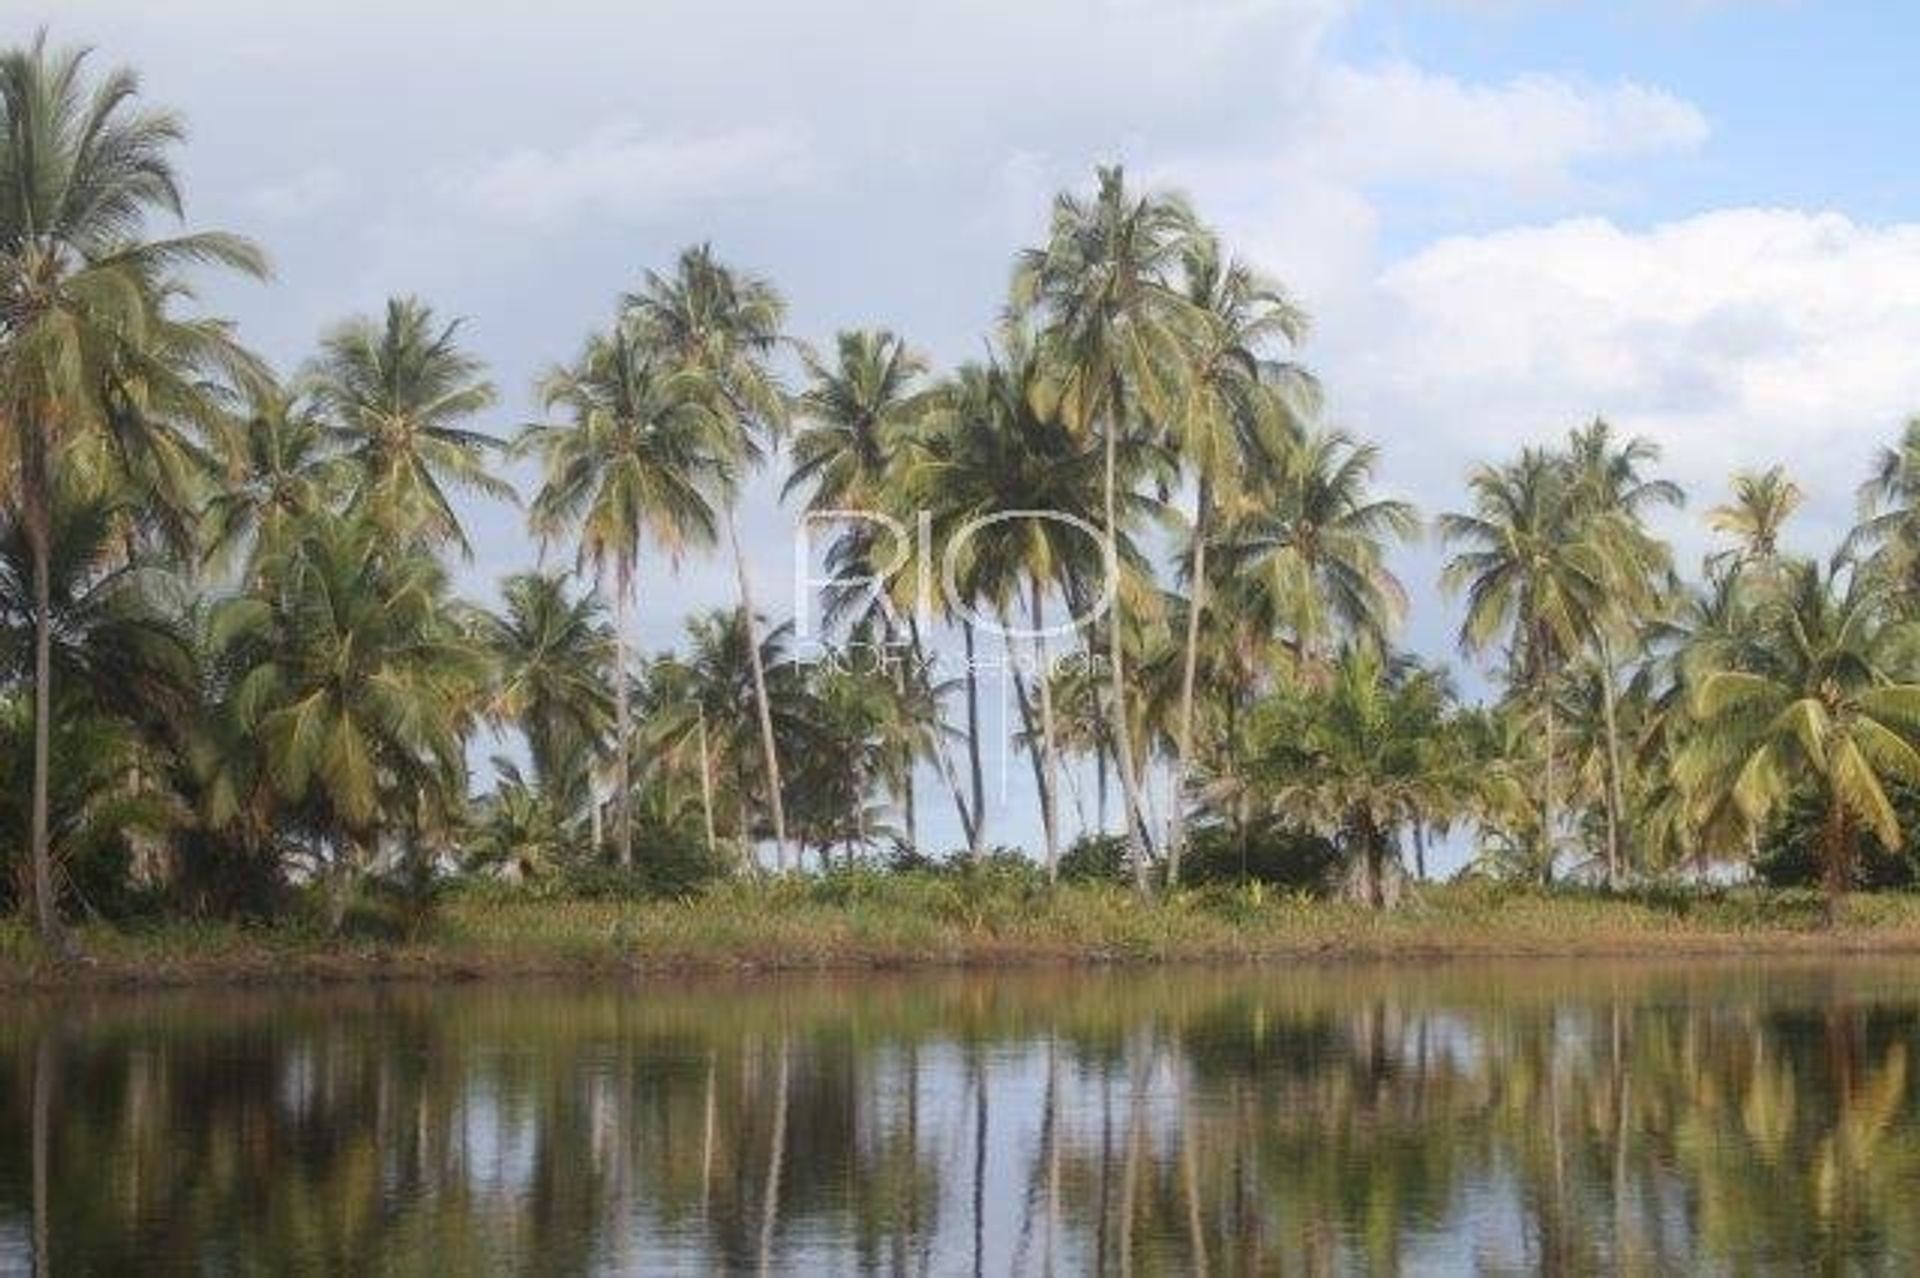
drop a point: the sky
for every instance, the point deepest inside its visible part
(1504, 216)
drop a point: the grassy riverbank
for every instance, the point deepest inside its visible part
(897, 921)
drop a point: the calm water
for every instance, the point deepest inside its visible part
(1501, 1118)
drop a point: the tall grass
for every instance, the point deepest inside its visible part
(874, 919)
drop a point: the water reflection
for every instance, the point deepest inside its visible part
(1504, 1118)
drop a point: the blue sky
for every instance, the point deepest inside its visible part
(1505, 217)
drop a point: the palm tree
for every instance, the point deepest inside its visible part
(641, 449)
(94, 364)
(1531, 579)
(1353, 759)
(721, 682)
(394, 395)
(118, 641)
(1612, 497)
(1105, 284)
(725, 326)
(1010, 493)
(1312, 541)
(1762, 503)
(1240, 410)
(854, 407)
(525, 827)
(281, 467)
(358, 684)
(1889, 531)
(1826, 701)
(551, 652)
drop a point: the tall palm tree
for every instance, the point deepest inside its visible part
(1105, 284)
(1532, 581)
(1240, 410)
(1612, 497)
(395, 395)
(726, 326)
(857, 409)
(551, 652)
(1760, 506)
(1009, 492)
(854, 407)
(94, 362)
(1826, 701)
(641, 449)
(359, 684)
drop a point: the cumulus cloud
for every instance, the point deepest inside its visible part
(621, 168)
(1735, 338)
(1400, 123)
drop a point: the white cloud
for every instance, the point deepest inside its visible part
(1735, 339)
(622, 169)
(310, 191)
(1400, 123)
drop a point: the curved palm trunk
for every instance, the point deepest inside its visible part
(1122, 733)
(622, 715)
(1183, 763)
(776, 804)
(941, 758)
(706, 789)
(1616, 803)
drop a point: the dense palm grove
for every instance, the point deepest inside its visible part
(237, 679)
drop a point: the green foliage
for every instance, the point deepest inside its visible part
(1270, 852)
(1790, 850)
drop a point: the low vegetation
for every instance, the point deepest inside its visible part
(866, 919)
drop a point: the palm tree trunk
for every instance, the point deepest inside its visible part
(1548, 814)
(1036, 748)
(942, 758)
(1122, 734)
(622, 714)
(910, 809)
(706, 788)
(349, 857)
(1183, 762)
(776, 805)
(1834, 845)
(977, 839)
(1616, 805)
(39, 527)
(1049, 744)
(1100, 784)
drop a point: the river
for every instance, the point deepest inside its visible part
(1447, 1117)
